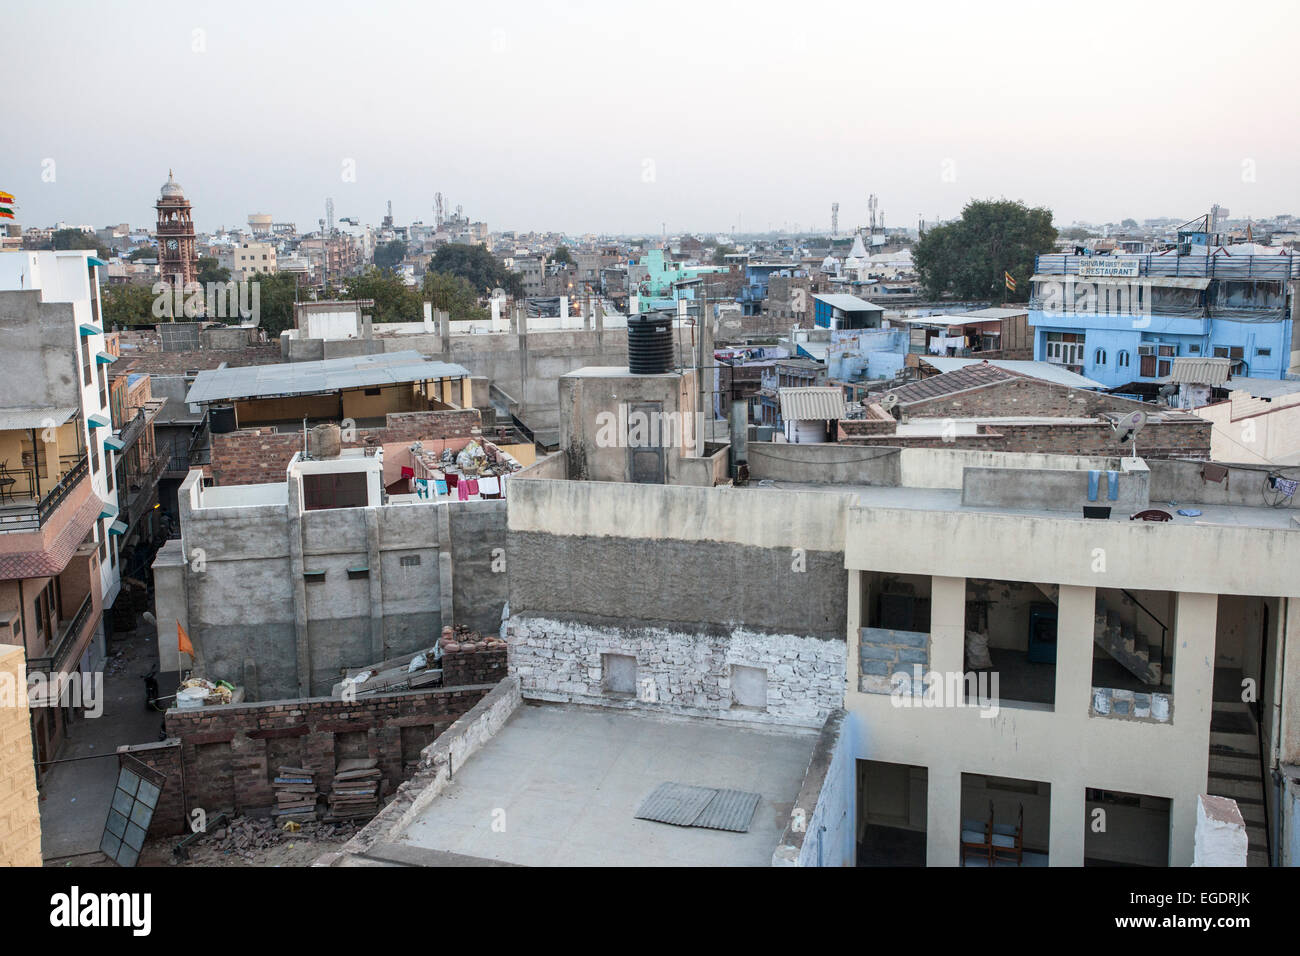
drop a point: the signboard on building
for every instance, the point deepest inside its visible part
(1104, 266)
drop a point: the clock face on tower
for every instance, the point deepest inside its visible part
(171, 245)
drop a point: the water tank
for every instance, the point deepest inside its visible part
(324, 441)
(649, 344)
(221, 419)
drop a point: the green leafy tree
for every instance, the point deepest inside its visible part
(966, 259)
(395, 301)
(142, 252)
(209, 271)
(1077, 233)
(128, 305)
(562, 255)
(276, 295)
(476, 265)
(454, 294)
(388, 255)
(721, 252)
(76, 239)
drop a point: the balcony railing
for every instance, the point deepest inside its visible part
(56, 661)
(1197, 266)
(32, 515)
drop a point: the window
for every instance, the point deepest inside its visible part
(94, 455)
(1193, 350)
(1122, 359)
(748, 687)
(1065, 348)
(343, 490)
(1263, 351)
(85, 359)
(618, 674)
(1099, 357)
(103, 540)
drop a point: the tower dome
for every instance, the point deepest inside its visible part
(172, 189)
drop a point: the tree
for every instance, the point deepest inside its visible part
(209, 271)
(276, 294)
(76, 239)
(562, 255)
(1076, 233)
(1129, 224)
(453, 294)
(394, 300)
(478, 266)
(128, 305)
(966, 259)
(388, 255)
(720, 254)
(142, 252)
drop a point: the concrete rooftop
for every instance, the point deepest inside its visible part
(570, 779)
(949, 499)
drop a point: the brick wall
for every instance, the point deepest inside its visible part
(230, 754)
(1190, 439)
(1021, 396)
(473, 662)
(255, 455)
(20, 817)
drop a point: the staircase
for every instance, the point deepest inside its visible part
(1235, 771)
(1127, 645)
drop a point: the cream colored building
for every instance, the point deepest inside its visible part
(1258, 423)
(249, 259)
(20, 817)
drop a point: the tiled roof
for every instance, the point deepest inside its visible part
(961, 380)
(40, 564)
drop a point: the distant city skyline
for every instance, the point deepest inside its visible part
(598, 119)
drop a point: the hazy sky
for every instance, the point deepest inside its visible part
(618, 117)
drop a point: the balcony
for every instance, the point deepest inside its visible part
(20, 510)
(1214, 267)
(68, 641)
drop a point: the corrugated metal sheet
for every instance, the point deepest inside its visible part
(1200, 371)
(675, 803)
(812, 403)
(305, 378)
(849, 303)
(13, 418)
(729, 810)
(707, 807)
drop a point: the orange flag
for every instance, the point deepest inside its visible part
(183, 641)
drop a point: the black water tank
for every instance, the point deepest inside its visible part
(649, 344)
(221, 419)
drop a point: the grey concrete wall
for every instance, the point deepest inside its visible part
(698, 586)
(259, 621)
(40, 359)
(1050, 490)
(831, 464)
(1173, 480)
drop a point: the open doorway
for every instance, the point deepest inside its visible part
(1125, 829)
(891, 814)
(1004, 821)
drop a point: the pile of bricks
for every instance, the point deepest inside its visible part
(469, 657)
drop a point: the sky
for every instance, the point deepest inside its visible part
(708, 116)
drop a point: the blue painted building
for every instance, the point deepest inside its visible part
(757, 276)
(1123, 319)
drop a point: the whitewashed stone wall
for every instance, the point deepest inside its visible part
(679, 673)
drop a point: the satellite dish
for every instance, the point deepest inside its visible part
(1127, 427)
(888, 401)
(498, 293)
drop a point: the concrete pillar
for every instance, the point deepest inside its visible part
(943, 816)
(1067, 827)
(446, 596)
(1221, 838)
(1289, 739)
(857, 587)
(948, 624)
(1194, 628)
(564, 312)
(378, 645)
(296, 568)
(444, 332)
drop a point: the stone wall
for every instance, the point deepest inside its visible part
(481, 661)
(230, 753)
(679, 673)
(20, 816)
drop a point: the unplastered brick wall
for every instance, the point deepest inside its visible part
(252, 456)
(230, 753)
(1181, 439)
(702, 675)
(20, 816)
(480, 661)
(1020, 396)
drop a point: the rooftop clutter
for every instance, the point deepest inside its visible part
(477, 471)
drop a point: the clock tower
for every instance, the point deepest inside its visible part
(177, 260)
